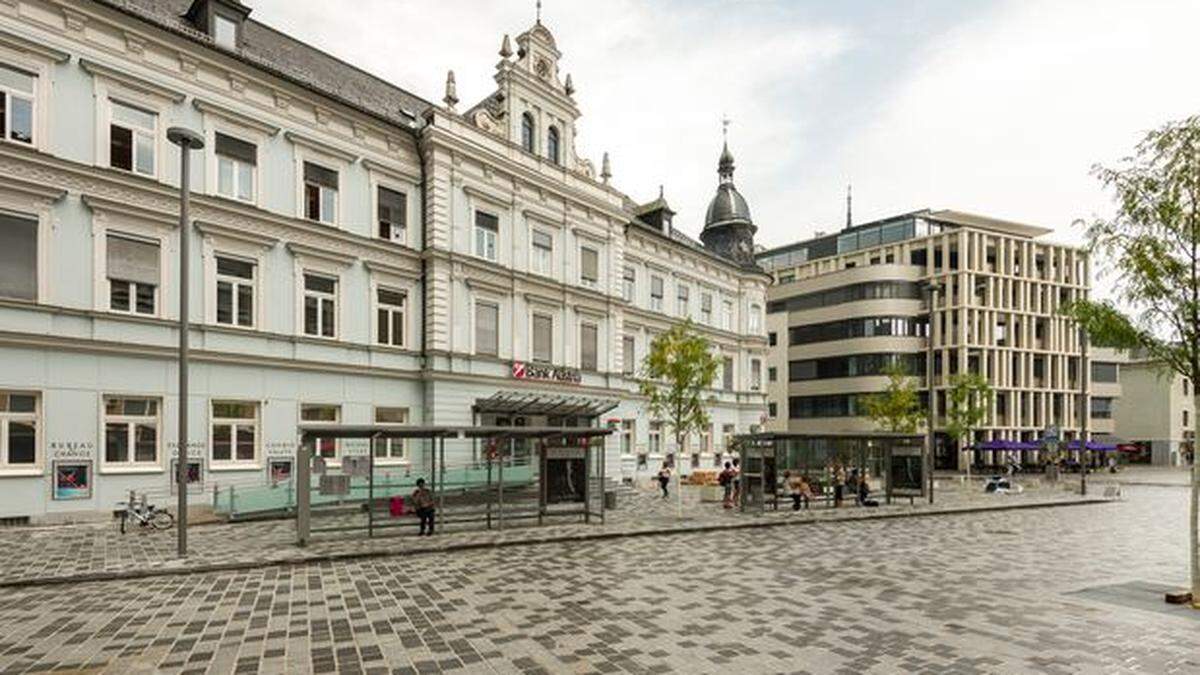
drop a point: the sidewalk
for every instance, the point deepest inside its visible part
(1161, 476)
(35, 556)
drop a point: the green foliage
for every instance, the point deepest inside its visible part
(966, 404)
(1152, 247)
(898, 408)
(676, 371)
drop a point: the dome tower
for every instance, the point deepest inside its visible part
(728, 229)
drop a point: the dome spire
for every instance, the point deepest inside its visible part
(725, 164)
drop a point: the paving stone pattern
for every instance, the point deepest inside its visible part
(994, 592)
(35, 554)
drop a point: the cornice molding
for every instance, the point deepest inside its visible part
(21, 43)
(131, 81)
(321, 146)
(380, 267)
(104, 204)
(400, 174)
(241, 119)
(545, 217)
(487, 285)
(305, 251)
(543, 299)
(495, 199)
(31, 188)
(211, 229)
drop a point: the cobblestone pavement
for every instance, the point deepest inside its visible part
(995, 592)
(38, 554)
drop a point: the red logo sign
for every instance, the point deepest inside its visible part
(530, 371)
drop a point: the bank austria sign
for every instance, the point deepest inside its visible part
(533, 371)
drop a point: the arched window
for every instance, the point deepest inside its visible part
(552, 145)
(527, 132)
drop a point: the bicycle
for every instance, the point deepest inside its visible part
(146, 515)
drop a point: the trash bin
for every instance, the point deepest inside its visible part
(610, 499)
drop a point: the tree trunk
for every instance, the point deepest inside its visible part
(1194, 519)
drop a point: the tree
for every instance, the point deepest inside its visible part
(1152, 248)
(676, 371)
(898, 408)
(966, 404)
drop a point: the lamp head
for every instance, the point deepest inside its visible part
(185, 138)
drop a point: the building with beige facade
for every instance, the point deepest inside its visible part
(845, 305)
(1156, 416)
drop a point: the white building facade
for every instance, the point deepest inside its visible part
(359, 255)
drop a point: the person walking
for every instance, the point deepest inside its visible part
(422, 500)
(737, 480)
(725, 480)
(664, 479)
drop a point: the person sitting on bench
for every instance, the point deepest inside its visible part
(800, 489)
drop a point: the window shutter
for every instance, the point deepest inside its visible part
(487, 221)
(18, 257)
(319, 175)
(590, 262)
(132, 260)
(236, 148)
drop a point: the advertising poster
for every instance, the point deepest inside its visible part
(72, 480)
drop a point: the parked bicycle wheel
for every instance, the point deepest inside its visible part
(162, 520)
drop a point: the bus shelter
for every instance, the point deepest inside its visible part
(481, 482)
(890, 460)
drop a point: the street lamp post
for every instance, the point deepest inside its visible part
(1085, 410)
(187, 140)
(931, 291)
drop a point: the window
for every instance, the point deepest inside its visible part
(772, 409)
(487, 227)
(772, 338)
(320, 305)
(628, 355)
(527, 132)
(706, 308)
(727, 373)
(1185, 386)
(727, 433)
(390, 448)
(772, 374)
(393, 215)
(543, 338)
(656, 429)
(755, 375)
(1102, 409)
(628, 284)
(1105, 372)
(589, 266)
(16, 104)
(320, 193)
(656, 293)
(682, 294)
(234, 432)
(130, 431)
(235, 292)
(131, 136)
(727, 314)
(588, 344)
(627, 435)
(323, 447)
(18, 257)
(487, 328)
(18, 430)
(552, 152)
(225, 31)
(236, 161)
(133, 275)
(389, 312)
(755, 319)
(542, 254)
(1185, 419)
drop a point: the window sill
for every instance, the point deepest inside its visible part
(406, 463)
(116, 470)
(233, 466)
(32, 472)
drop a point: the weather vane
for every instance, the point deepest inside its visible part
(724, 123)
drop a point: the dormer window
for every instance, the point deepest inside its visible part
(221, 19)
(224, 31)
(527, 132)
(552, 145)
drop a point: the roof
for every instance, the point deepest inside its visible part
(987, 223)
(270, 50)
(334, 430)
(727, 206)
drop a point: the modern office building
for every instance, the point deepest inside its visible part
(845, 305)
(359, 255)
(1156, 414)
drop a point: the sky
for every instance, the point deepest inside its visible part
(990, 106)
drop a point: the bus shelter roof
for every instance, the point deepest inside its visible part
(771, 436)
(331, 430)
